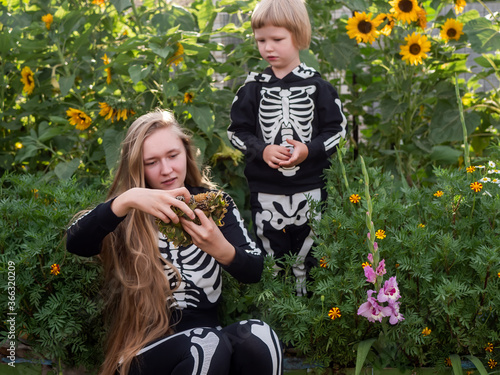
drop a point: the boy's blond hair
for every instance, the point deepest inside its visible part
(290, 14)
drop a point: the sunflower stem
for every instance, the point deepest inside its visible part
(462, 120)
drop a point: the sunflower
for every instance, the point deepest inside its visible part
(188, 97)
(362, 27)
(452, 29)
(459, 6)
(422, 18)
(110, 113)
(383, 17)
(48, 19)
(405, 10)
(415, 49)
(27, 79)
(177, 58)
(78, 118)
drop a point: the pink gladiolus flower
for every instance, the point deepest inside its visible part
(370, 258)
(390, 291)
(375, 246)
(395, 314)
(370, 274)
(372, 311)
(381, 268)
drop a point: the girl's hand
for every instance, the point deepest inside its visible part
(300, 153)
(208, 237)
(155, 202)
(274, 155)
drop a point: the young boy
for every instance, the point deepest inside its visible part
(287, 121)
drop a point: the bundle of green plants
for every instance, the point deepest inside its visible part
(407, 276)
(50, 298)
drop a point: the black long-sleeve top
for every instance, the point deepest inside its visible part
(201, 281)
(267, 110)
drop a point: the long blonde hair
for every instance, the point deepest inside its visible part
(138, 291)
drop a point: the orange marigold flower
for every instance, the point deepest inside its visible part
(354, 198)
(48, 19)
(489, 347)
(366, 264)
(492, 363)
(438, 193)
(426, 331)
(476, 186)
(471, 169)
(334, 313)
(55, 269)
(323, 262)
(448, 361)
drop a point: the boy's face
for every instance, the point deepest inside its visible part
(276, 46)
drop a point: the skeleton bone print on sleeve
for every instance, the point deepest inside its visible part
(283, 112)
(200, 281)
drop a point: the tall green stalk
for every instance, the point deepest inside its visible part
(462, 120)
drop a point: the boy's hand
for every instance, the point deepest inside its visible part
(274, 155)
(300, 153)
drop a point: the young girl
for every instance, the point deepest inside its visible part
(162, 300)
(287, 121)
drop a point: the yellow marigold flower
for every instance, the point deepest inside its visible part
(489, 347)
(188, 97)
(452, 29)
(380, 234)
(55, 269)
(78, 118)
(448, 361)
(459, 6)
(492, 363)
(18, 145)
(363, 28)
(177, 58)
(426, 331)
(421, 225)
(48, 19)
(405, 10)
(366, 264)
(422, 18)
(476, 186)
(438, 193)
(28, 80)
(471, 169)
(323, 262)
(415, 49)
(354, 198)
(35, 192)
(334, 313)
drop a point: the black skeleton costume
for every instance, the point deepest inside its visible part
(200, 345)
(268, 110)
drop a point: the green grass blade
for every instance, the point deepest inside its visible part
(363, 350)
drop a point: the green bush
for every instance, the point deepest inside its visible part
(443, 248)
(57, 302)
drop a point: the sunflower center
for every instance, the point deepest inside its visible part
(452, 33)
(364, 27)
(415, 49)
(406, 6)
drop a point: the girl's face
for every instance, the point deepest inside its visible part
(276, 46)
(165, 160)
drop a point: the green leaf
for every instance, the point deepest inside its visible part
(363, 350)
(111, 141)
(445, 154)
(483, 35)
(121, 5)
(478, 364)
(163, 52)
(456, 364)
(204, 118)
(389, 108)
(138, 73)
(66, 83)
(65, 170)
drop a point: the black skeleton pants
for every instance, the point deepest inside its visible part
(281, 225)
(243, 348)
